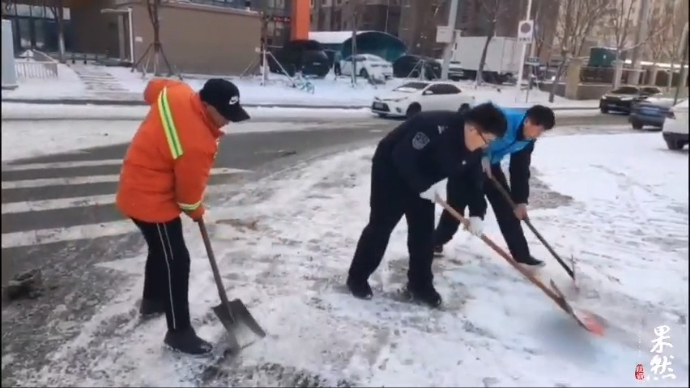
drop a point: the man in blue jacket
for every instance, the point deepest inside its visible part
(524, 127)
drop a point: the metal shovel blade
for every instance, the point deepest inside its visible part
(239, 323)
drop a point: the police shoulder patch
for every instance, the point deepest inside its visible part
(420, 140)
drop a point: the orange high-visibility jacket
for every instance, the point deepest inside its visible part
(167, 165)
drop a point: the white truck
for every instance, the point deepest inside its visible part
(502, 57)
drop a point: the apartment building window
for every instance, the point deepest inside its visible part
(280, 4)
(35, 27)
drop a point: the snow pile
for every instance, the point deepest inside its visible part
(328, 91)
(619, 204)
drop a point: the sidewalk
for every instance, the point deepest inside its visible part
(134, 102)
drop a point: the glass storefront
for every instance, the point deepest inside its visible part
(35, 27)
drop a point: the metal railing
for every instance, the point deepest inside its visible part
(36, 70)
(36, 65)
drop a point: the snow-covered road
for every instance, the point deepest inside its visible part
(618, 203)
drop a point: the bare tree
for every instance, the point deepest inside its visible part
(492, 11)
(427, 15)
(155, 49)
(57, 8)
(661, 22)
(622, 22)
(576, 20)
(672, 45)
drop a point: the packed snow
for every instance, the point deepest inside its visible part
(617, 203)
(121, 83)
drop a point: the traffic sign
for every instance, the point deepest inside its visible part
(444, 34)
(525, 31)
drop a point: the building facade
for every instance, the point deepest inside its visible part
(419, 19)
(363, 15)
(197, 36)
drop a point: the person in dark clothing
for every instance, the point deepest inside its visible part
(523, 130)
(406, 168)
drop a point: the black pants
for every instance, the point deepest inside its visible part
(510, 226)
(390, 200)
(167, 270)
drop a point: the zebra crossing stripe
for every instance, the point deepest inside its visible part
(72, 233)
(84, 180)
(90, 200)
(62, 165)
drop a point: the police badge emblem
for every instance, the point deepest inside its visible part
(420, 140)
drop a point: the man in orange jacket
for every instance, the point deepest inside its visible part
(164, 174)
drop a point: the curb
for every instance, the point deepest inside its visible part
(102, 102)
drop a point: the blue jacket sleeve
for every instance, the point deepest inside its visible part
(408, 151)
(520, 173)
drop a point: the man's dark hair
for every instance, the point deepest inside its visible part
(541, 115)
(488, 119)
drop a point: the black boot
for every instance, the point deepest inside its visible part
(151, 308)
(359, 288)
(425, 293)
(438, 251)
(531, 262)
(186, 341)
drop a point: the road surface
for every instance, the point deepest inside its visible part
(58, 215)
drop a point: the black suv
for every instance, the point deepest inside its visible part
(623, 98)
(306, 56)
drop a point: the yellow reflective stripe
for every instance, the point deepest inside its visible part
(189, 206)
(169, 125)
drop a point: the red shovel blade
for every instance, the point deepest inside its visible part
(589, 321)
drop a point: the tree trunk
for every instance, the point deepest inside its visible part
(482, 60)
(156, 37)
(669, 82)
(617, 75)
(60, 21)
(557, 78)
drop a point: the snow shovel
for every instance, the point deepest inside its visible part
(238, 322)
(569, 270)
(584, 318)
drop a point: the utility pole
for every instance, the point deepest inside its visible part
(448, 50)
(640, 35)
(523, 51)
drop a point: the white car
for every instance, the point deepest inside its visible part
(367, 64)
(675, 129)
(413, 97)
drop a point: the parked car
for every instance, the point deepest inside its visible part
(411, 66)
(650, 112)
(413, 97)
(306, 56)
(367, 64)
(675, 131)
(623, 98)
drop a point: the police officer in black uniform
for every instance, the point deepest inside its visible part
(407, 165)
